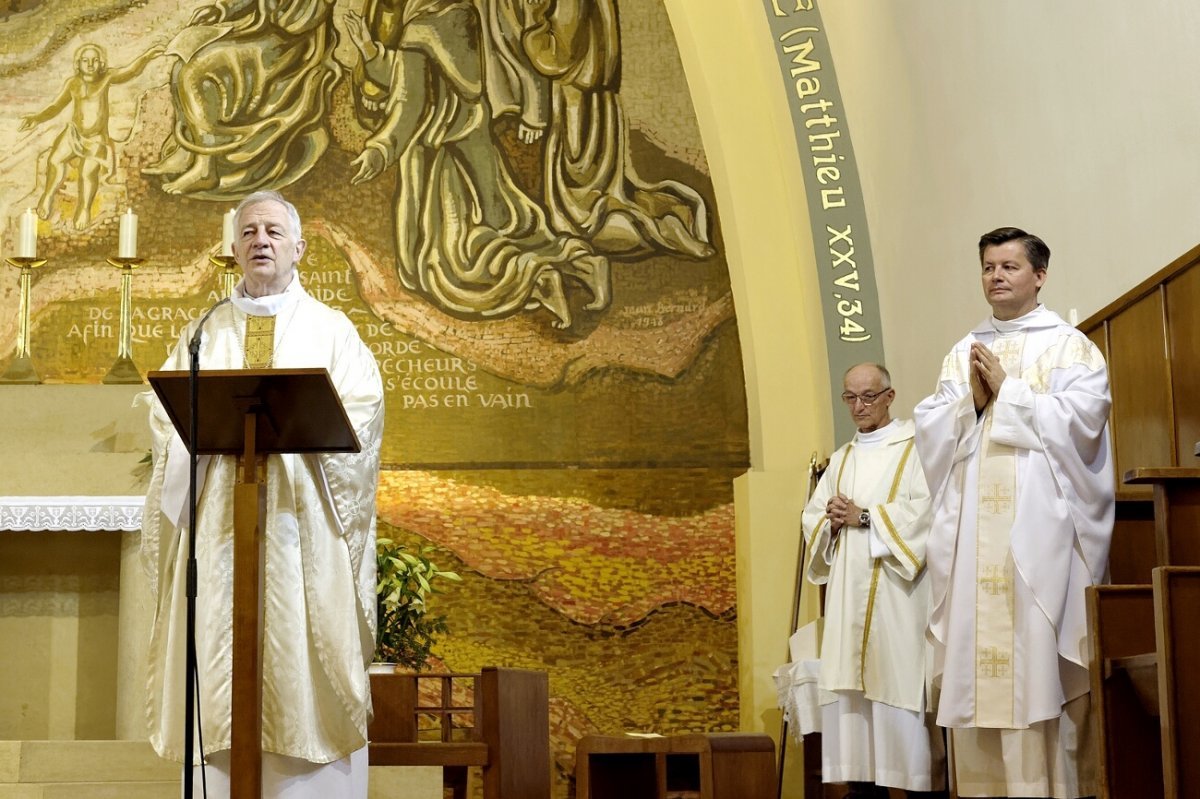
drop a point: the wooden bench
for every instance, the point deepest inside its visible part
(710, 766)
(1121, 622)
(1146, 683)
(497, 721)
(1143, 657)
(1176, 610)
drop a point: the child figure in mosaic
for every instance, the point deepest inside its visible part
(85, 140)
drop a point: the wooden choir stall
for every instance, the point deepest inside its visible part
(1145, 662)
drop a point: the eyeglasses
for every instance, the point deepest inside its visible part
(867, 399)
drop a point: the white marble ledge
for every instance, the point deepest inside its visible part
(75, 514)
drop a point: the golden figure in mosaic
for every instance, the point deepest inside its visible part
(85, 140)
(467, 237)
(591, 187)
(514, 86)
(371, 77)
(252, 92)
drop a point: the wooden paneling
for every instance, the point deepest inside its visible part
(1183, 324)
(1150, 336)
(1144, 434)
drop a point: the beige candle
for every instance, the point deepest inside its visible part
(127, 241)
(27, 243)
(227, 234)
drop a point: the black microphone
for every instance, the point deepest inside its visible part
(194, 344)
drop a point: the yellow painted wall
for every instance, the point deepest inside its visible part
(727, 55)
(1074, 120)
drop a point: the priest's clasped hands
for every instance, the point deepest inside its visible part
(987, 375)
(841, 511)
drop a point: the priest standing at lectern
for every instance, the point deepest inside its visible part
(317, 513)
(1016, 451)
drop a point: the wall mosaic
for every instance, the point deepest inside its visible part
(511, 201)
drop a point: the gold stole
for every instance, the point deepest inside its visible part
(259, 351)
(877, 564)
(994, 571)
(259, 347)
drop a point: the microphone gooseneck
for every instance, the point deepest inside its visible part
(194, 344)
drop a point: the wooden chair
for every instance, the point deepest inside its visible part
(497, 721)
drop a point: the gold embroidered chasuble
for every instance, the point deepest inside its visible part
(1023, 507)
(319, 575)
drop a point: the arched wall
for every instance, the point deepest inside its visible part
(728, 58)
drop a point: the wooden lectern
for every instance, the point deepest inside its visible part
(253, 412)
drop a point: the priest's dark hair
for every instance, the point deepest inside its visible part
(1035, 249)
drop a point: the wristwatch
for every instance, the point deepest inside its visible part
(864, 518)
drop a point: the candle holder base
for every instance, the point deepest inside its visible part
(229, 273)
(123, 372)
(20, 372)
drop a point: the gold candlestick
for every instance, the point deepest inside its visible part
(21, 369)
(124, 370)
(229, 277)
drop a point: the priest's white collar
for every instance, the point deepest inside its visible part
(270, 305)
(879, 436)
(1039, 317)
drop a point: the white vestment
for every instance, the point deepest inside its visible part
(1038, 459)
(876, 610)
(318, 519)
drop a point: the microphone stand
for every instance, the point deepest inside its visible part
(191, 676)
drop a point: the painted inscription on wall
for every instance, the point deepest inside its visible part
(837, 215)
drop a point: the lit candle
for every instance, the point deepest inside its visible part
(27, 243)
(127, 242)
(227, 234)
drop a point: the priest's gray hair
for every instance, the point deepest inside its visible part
(270, 196)
(885, 377)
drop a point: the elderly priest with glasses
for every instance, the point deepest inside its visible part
(866, 526)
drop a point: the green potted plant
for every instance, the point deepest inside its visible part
(407, 630)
